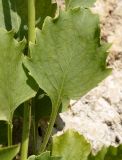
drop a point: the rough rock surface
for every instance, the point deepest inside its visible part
(98, 115)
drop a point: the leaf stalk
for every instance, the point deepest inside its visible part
(48, 133)
(26, 129)
(31, 21)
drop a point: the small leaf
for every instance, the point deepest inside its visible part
(78, 3)
(8, 153)
(73, 61)
(14, 14)
(16, 86)
(71, 146)
(44, 156)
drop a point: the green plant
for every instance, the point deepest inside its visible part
(47, 61)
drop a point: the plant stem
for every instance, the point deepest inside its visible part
(49, 129)
(10, 127)
(27, 108)
(34, 135)
(34, 128)
(26, 129)
(31, 21)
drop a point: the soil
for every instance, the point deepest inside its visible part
(98, 115)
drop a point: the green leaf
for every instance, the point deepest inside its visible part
(78, 3)
(71, 146)
(100, 155)
(14, 14)
(44, 156)
(114, 153)
(16, 86)
(68, 59)
(108, 153)
(8, 153)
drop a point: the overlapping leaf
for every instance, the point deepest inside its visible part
(71, 146)
(8, 153)
(15, 84)
(68, 59)
(77, 3)
(14, 14)
(44, 156)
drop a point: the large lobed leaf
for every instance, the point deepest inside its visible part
(77, 3)
(14, 14)
(8, 153)
(68, 59)
(15, 84)
(71, 146)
